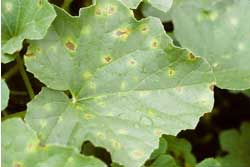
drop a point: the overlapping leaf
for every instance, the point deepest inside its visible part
(162, 5)
(128, 83)
(210, 162)
(4, 95)
(181, 151)
(168, 161)
(21, 147)
(237, 145)
(23, 19)
(220, 32)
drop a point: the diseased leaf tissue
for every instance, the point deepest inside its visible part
(118, 82)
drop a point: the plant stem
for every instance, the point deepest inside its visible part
(10, 73)
(66, 5)
(25, 76)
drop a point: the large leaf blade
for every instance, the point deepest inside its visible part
(127, 80)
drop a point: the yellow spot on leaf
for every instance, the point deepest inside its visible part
(241, 46)
(122, 33)
(233, 21)
(158, 132)
(111, 114)
(132, 62)
(144, 93)
(107, 59)
(151, 113)
(137, 154)
(123, 131)
(85, 30)
(144, 29)
(43, 123)
(101, 135)
(48, 107)
(215, 65)
(92, 85)
(98, 12)
(171, 72)
(8, 6)
(70, 45)
(116, 144)
(32, 146)
(39, 3)
(123, 85)
(88, 116)
(70, 159)
(87, 75)
(60, 119)
(111, 10)
(17, 164)
(191, 57)
(154, 44)
(213, 16)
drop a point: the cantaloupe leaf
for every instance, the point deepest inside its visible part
(22, 148)
(128, 83)
(5, 93)
(23, 19)
(220, 32)
(236, 144)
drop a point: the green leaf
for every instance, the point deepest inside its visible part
(23, 19)
(162, 5)
(5, 93)
(163, 145)
(237, 145)
(244, 92)
(219, 32)
(209, 162)
(129, 83)
(164, 161)
(181, 151)
(22, 148)
(148, 10)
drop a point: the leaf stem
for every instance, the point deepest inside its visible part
(10, 73)
(66, 5)
(25, 76)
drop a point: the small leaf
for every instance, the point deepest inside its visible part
(237, 145)
(129, 84)
(209, 162)
(23, 19)
(164, 161)
(181, 151)
(219, 32)
(22, 148)
(163, 145)
(5, 93)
